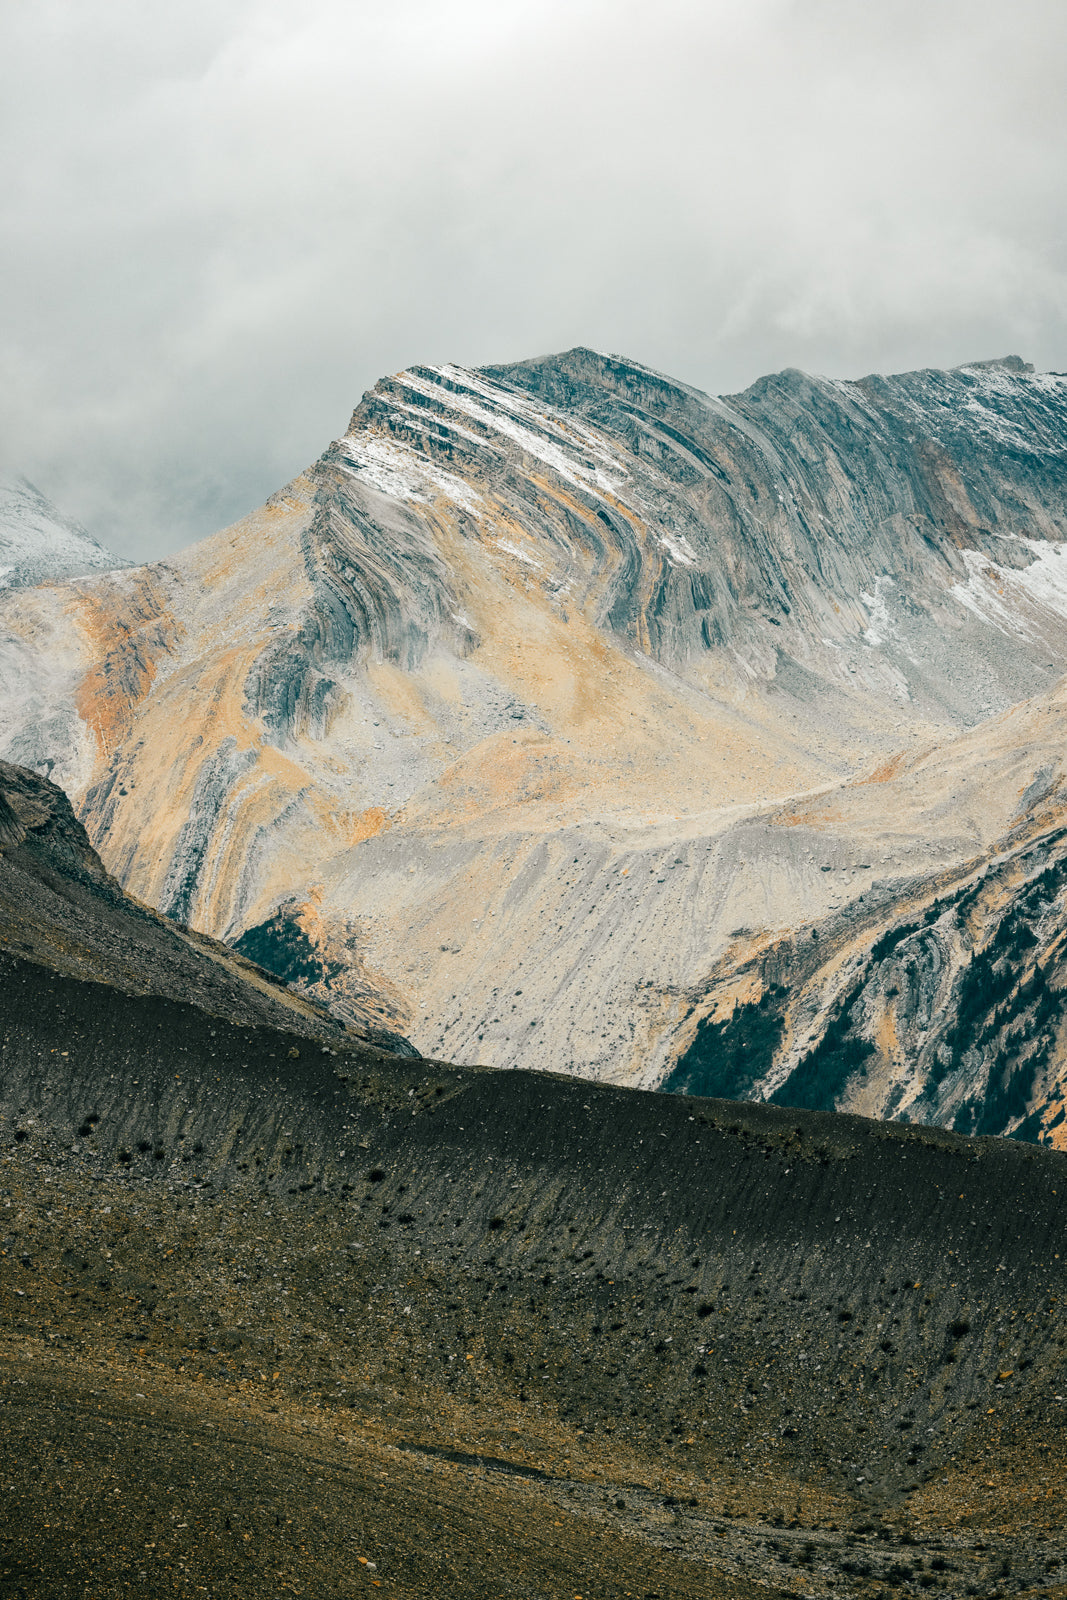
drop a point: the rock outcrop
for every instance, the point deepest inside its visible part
(493, 720)
(62, 911)
(933, 994)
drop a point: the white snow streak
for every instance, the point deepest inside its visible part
(678, 548)
(513, 550)
(403, 473)
(1002, 595)
(554, 442)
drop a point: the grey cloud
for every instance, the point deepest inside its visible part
(223, 221)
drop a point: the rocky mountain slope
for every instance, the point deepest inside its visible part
(936, 994)
(503, 712)
(38, 544)
(60, 909)
(275, 1320)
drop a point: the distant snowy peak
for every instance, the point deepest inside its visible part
(38, 544)
(1006, 363)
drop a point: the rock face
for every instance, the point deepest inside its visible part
(62, 911)
(934, 995)
(38, 544)
(496, 722)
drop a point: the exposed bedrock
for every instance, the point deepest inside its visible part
(870, 513)
(61, 909)
(935, 995)
(946, 1006)
(547, 694)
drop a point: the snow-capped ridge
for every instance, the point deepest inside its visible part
(38, 544)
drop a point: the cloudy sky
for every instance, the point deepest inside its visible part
(224, 219)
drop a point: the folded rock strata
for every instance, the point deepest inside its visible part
(527, 719)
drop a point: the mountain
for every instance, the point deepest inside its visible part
(934, 994)
(528, 718)
(276, 1320)
(61, 909)
(38, 544)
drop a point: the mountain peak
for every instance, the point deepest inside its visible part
(38, 544)
(497, 723)
(1003, 363)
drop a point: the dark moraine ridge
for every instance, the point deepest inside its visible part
(649, 1345)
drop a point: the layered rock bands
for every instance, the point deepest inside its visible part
(561, 716)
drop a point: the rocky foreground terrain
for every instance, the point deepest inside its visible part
(287, 1314)
(563, 717)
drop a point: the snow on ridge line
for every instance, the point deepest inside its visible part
(403, 473)
(553, 454)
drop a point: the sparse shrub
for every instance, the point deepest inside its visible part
(819, 1077)
(727, 1058)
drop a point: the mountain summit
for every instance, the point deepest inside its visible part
(560, 711)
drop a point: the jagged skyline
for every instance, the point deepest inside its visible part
(225, 223)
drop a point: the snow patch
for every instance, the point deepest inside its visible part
(38, 544)
(678, 549)
(1001, 595)
(513, 550)
(881, 627)
(403, 473)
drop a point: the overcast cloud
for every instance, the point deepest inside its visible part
(223, 220)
